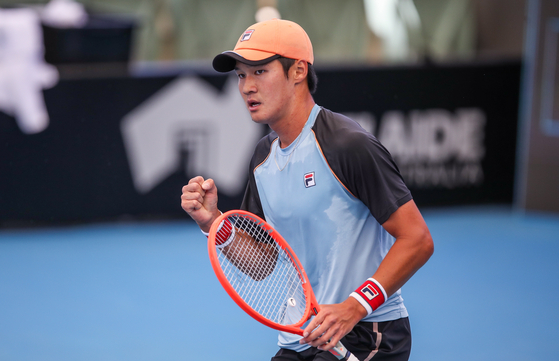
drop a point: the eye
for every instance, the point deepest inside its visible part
(259, 71)
(241, 75)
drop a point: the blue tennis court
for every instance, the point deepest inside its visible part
(146, 291)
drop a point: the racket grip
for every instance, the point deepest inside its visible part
(342, 353)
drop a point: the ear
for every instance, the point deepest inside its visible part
(299, 71)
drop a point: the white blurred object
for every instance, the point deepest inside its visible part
(64, 14)
(23, 71)
(391, 20)
(267, 13)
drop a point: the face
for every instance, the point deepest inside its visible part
(266, 90)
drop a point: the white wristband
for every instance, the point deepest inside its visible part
(362, 302)
(229, 239)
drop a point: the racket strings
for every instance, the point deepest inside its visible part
(262, 273)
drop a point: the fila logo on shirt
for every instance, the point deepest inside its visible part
(246, 35)
(309, 180)
(369, 292)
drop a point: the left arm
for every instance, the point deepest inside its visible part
(411, 250)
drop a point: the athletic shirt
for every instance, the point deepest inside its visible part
(336, 186)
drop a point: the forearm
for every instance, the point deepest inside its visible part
(404, 259)
(411, 250)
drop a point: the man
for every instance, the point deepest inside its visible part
(332, 191)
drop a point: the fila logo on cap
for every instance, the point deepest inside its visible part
(309, 180)
(246, 35)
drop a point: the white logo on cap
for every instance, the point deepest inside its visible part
(247, 34)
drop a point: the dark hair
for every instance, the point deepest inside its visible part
(312, 79)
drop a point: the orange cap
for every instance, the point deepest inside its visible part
(266, 41)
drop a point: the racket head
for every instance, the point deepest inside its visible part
(265, 279)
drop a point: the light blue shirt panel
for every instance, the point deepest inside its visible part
(339, 243)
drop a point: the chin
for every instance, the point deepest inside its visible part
(258, 119)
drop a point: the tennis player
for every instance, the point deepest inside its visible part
(332, 191)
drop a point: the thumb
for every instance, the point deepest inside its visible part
(209, 185)
(210, 189)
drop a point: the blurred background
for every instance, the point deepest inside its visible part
(120, 97)
(108, 107)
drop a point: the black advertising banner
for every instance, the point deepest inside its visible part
(452, 130)
(124, 147)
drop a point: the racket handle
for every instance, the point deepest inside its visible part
(342, 353)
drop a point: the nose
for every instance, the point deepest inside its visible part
(248, 85)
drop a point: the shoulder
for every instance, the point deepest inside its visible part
(361, 163)
(338, 134)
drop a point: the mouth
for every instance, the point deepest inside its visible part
(252, 104)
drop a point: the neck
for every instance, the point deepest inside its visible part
(289, 129)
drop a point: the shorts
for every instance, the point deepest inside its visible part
(374, 341)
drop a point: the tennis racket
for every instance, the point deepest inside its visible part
(262, 274)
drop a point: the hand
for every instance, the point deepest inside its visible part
(199, 200)
(333, 322)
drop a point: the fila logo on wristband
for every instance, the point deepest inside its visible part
(370, 294)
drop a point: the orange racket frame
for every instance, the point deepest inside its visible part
(311, 307)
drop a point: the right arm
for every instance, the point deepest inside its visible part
(199, 200)
(253, 258)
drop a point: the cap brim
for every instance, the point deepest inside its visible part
(227, 60)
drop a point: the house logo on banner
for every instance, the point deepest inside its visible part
(434, 148)
(189, 120)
